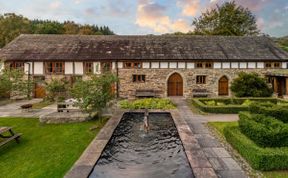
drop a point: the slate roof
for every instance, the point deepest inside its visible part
(82, 48)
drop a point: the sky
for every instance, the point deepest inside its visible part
(140, 17)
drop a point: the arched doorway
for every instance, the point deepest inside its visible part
(223, 88)
(175, 85)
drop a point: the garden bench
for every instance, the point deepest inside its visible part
(200, 93)
(26, 107)
(145, 93)
(8, 137)
(67, 106)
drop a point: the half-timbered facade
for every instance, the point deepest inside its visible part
(170, 65)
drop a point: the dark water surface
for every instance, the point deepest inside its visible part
(133, 153)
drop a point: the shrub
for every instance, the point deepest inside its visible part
(56, 89)
(250, 85)
(265, 131)
(279, 112)
(264, 159)
(148, 103)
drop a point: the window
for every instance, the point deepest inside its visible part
(133, 65)
(54, 67)
(88, 67)
(268, 65)
(199, 65)
(277, 65)
(200, 79)
(139, 78)
(272, 65)
(208, 65)
(106, 66)
(17, 65)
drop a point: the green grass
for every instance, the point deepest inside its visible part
(219, 126)
(41, 104)
(148, 103)
(44, 151)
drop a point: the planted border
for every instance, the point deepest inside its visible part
(228, 109)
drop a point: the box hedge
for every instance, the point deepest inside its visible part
(264, 130)
(264, 159)
(227, 105)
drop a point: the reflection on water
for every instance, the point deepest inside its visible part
(134, 153)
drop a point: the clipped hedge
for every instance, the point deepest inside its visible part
(229, 106)
(279, 112)
(264, 159)
(148, 103)
(265, 131)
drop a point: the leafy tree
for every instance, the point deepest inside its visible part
(93, 94)
(56, 89)
(228, 19)
(71, 28)
(12, 83)
(250, 85)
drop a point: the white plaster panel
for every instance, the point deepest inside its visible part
(234, 65)
(260, 65)
(173, 65)
(68, 68)
(146, 65)
(120, 65)
(164, 65)
(113, 65)
(96, 66)
(190, 65)
(181, 65)
(26, 68)
(217, 65)
(284, 65)
(226, 65)
(154, 65)
(1, 66)
(251, 65)
(39, 68)
(78, 68)
(243, 65)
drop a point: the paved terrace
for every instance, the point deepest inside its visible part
(210, 154)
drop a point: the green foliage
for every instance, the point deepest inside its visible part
(228, 19)
(56, 90)
(250, 85)
(279, 112)
(93, 94)
(148, 103)
(12, 83)
(265, 131)
(12, 25)
(283, 43)
(227, 105)
(259, 158)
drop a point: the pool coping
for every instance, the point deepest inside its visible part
(199, 163)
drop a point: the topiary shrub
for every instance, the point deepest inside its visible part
(250, 85)
(264, 130)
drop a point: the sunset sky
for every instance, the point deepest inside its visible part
(145, 16)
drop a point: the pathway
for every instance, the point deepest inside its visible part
(222, 162)
(14, 109)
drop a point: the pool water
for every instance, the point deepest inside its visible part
(134, 153)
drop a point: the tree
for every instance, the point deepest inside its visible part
(13, 83)
(56, 89)
(93, 94)
(250, 85)
(228, 19)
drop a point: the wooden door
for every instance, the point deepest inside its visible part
(39, 87)
(175, 85)
(223, 86)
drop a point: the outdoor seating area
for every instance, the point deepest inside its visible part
(7, 135)
(146, 93)
(200, 93)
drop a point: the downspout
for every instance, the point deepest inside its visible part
(117, 75)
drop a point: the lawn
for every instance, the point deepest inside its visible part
(219, 126)
(45, 150)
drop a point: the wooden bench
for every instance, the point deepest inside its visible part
(26, 107)
(200, 93)
(9, 136)
(68, 106)
(145, 93)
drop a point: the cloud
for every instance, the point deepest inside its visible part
(189, 7)
(260, 23)
(55, 5)
(152, 15)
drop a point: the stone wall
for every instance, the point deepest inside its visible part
(157, 79)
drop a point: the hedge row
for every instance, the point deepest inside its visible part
(233, 105)
(279, 112)
(264, 130)
(264, 159)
